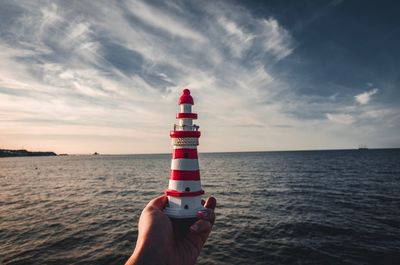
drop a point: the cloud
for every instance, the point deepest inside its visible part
(120, 64)
(276, 39)
(265, 36)
(161, 20)
(237, 39)
(340, 118)
(365, 97)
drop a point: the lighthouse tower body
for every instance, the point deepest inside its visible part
(184, 188)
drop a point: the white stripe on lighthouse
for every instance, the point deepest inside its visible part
(186, 108)
(177, 210)
(184, 164)
(184, 185)
(186, 123)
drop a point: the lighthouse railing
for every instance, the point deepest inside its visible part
(193, 127)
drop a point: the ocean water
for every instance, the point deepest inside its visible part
(308, 207)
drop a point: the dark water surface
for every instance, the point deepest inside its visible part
(311, 207)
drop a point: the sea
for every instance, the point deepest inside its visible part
(298, 207)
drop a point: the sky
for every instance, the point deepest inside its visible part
(105, 76)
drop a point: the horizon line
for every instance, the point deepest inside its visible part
(257, 151)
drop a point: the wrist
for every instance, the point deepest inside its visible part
(145, 255)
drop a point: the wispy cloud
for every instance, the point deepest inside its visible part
(159, 19)
(340, 118)
(237, 40)
(365, 97)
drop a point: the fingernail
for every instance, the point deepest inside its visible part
(195, 228)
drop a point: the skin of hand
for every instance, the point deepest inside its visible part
(157, 242)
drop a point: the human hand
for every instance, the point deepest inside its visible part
(158, 242)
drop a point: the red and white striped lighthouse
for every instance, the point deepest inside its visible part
(184, 189)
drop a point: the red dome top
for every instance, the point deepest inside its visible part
(186, 98)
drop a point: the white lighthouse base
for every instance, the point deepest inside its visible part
(183, 207)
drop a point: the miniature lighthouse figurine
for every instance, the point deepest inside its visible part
(184, 189)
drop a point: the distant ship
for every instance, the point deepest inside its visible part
(362, 147)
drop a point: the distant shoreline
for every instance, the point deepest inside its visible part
(23, 152)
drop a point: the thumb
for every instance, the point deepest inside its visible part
(158, 203)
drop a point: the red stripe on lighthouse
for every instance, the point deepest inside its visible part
(184, 134)
(176, 193)
(184, 153)
(182, 115)
(185, 175)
